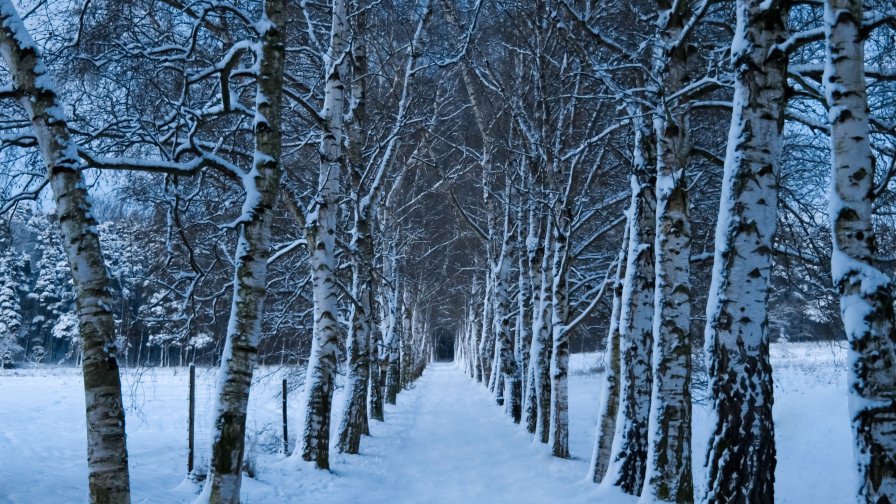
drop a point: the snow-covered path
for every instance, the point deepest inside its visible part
(444, 442)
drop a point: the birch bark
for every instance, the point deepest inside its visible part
(668, 475)
(629, 452)
(509, 387)
(609, 398)
(559, 361)
(250, 274)
(540, 352)
(866, 293)
(107, 457)
(320, 229)
(354, 417)
(740, 462)
(535, 255)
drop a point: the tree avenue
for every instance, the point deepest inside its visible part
(344, 192)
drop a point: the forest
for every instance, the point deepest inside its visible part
(617, 215)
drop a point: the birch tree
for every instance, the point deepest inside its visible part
(866, 293)
(107, 457)
(511, 388)
(609, 398)
(251, 259)
(668, 471)
(740, 462)
(354, 419)
(368, 175)
(320, 230)
(629, 451)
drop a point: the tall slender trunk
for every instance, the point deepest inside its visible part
(393, 350)
(669, 477)
(107, 456)
(609, 398)
(559, 367)
(524, 309)
(535, 253)
(468, 339)
(490, 343)
(250, 273)
(540, 352)
(740, 461)
(475, 367)
(320, 229)
(487, 335)
(354, 419)
(866, 293)
(376, 397)
(407, 338)
(509, 387)
(629, 458)
(354, 416)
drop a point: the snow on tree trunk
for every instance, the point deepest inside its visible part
(376, 397)
(250, 273)
(866, 293)
(509, 385)
(534, 256)
(609, 398)
(487, 335)
(524, 309)
(559, 364)
(107, 457)
(393, 348)
(354, 416)
(629, 453)
(740, 462)
(376, 392)
(475, 367)
(668, 476)
(540, 352)
(407, 337)
(321, 234)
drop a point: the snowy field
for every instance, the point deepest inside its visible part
(445, 441)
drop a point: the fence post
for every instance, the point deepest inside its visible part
(192, 421)
(285, 428)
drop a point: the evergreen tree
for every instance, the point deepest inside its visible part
(52, 331)
(10, 309)
(128, 260)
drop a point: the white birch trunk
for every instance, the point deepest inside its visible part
(354, 412)
(609, 397)
(320, 229)
(524, 309)
(535, 255)
(407, 336)
(107, 457)
(559, 365)
(486, 335)
(540, 352)
(866, 293)
(740, 462)
(393, 347)
(509, 387)
(668, 476)
(629, 452)
(250, 273)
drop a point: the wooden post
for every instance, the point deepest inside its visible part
(192, 421)
(285, 428)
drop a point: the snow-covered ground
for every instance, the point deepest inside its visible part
(445, 442)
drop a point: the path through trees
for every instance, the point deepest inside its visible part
(444, 441)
